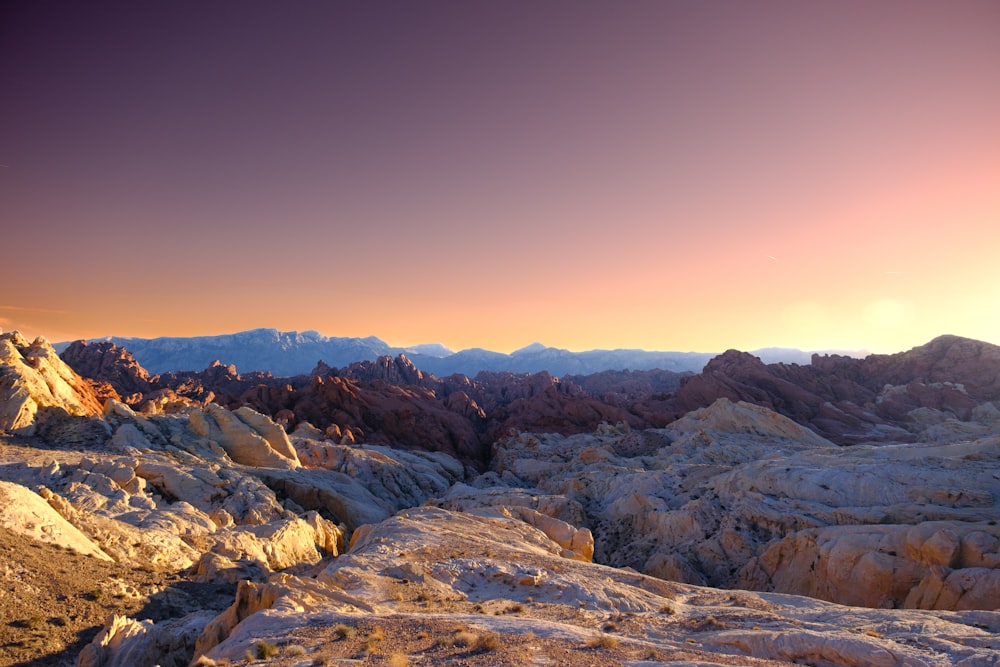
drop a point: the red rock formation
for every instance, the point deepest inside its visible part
(390, 401)
(844, 398)
(106, 362)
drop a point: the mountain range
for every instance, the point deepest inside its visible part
(286, 353)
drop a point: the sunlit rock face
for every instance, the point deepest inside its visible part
(32, 378)
(735, 495)
(110, 363)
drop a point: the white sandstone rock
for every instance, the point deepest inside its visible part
(25, 512)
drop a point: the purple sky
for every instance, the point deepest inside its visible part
(667, 175)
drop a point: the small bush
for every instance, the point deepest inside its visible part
(602, 641)
(465, 638)
(488, 642)
(398, 660)
(371, 645)
(266, 650)
(343, 631)
(296, 650)
(377, 633)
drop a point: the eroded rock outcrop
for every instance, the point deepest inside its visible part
(432, 570)
(247, 436)
(24, 511)
(735, 495)
(33, 377)
(105, 361)
(895, 397)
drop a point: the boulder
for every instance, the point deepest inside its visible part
(247, 437)
(25, 512)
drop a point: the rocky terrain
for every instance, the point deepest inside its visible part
(897, 397)
(380, 515)
(390, 401)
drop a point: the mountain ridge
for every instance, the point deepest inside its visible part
(288, 353)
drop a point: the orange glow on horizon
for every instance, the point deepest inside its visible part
(661, 176)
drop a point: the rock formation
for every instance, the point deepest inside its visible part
(32, 378)
(110, 363)
(898, 397)
(735, 495)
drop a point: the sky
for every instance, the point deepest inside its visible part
(666, 175)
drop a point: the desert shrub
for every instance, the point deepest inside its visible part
(465, 638)
(343, 631)
(602, 641)
(488, 642)
(266, 650)
(398, 660)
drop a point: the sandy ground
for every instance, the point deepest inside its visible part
(54, 601)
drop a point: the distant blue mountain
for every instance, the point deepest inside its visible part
(280, 352)
(286, 353)
(558, 362)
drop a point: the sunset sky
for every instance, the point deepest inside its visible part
(661, 175)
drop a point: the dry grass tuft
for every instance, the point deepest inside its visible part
(488, 642)
(398, 660)
(465, 638)
(266, 650)
(602, 641)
